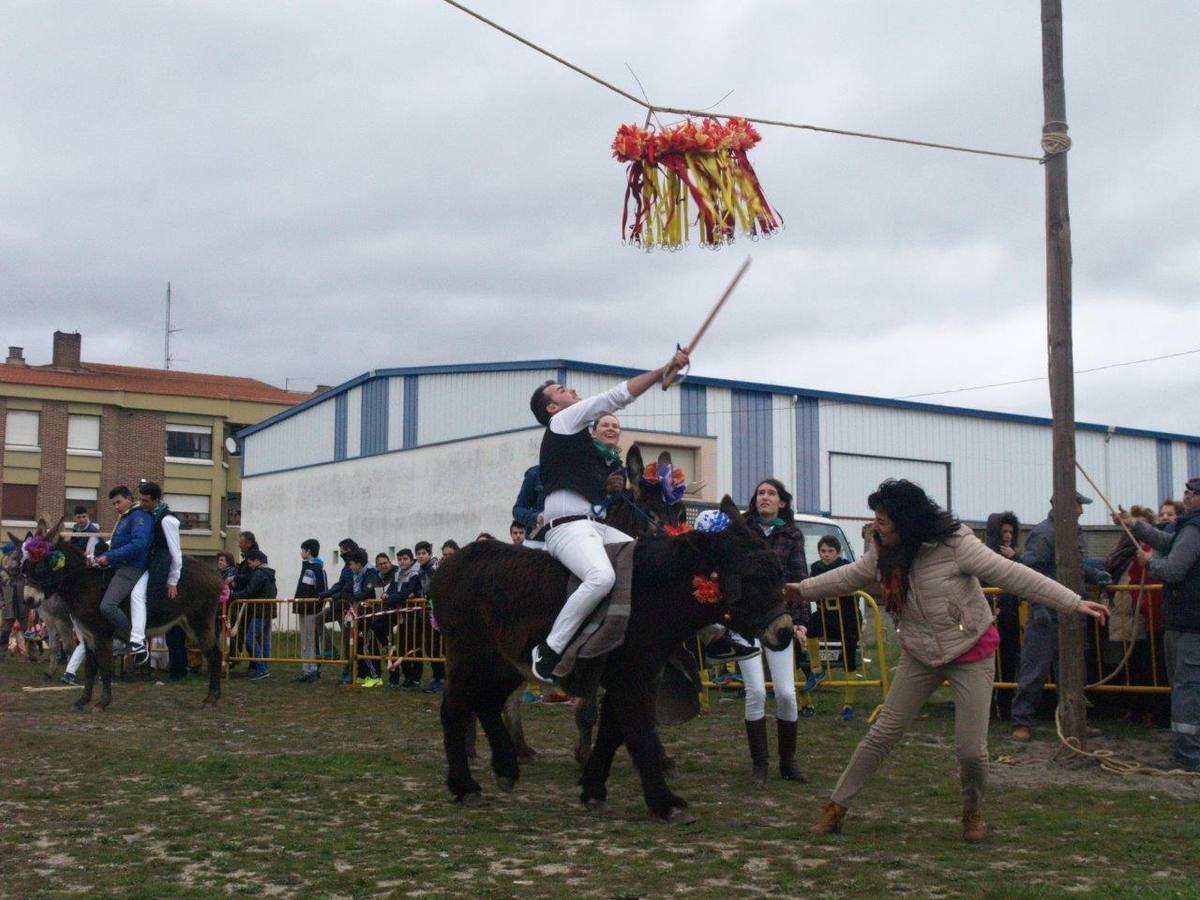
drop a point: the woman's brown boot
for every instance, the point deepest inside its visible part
(756, 737)
(975, 829)
(830, 820)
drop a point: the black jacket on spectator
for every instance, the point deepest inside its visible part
(261, 587)
(363, 587)
(1179, 570)
(530, 500)
(418, 585)
(312, 582)
(343, 587)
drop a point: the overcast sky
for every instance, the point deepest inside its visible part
(338, 187)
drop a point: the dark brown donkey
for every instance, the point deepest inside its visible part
(59, 567)
(494, 602)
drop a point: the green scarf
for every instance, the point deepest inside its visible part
(774, 523)
(611, 455)
(159, 511)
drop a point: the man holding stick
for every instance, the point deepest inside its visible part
(1179, 571)
(573, 472)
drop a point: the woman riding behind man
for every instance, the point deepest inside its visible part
(770, 511)
(929, 566)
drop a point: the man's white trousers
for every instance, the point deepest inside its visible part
(580, 547)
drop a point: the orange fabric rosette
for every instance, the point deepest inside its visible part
(702, 163)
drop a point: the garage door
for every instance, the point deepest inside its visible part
(852, 478)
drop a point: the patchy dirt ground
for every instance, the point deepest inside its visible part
(290, 790)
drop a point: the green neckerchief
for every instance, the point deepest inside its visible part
(611, 455)
(774, 523)
(159, 511)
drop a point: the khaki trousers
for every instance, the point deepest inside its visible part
(915, 681)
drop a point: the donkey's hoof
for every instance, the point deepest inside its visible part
(506, 783)
(473, 799)
(680, 815)
(598, 807)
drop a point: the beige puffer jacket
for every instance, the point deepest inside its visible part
(946, 612)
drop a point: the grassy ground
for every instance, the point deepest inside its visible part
(295, 790)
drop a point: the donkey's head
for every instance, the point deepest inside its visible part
(45, 560)
(751, 580)
(658, 488)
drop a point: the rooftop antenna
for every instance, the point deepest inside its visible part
(168, 331)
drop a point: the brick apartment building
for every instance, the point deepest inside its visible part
(71, 430)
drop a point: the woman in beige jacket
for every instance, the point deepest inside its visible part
(927, 568)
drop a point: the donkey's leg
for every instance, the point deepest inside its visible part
(56, 647)
(456, 715)
(491, 716)
(90, 667)
(635, 702)
(203, 628)
(586, 714)
(104, 662)
(515, 725)
(594, 780)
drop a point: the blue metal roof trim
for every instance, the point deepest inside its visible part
(626, 371)
(306, 404)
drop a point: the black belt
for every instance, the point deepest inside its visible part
(563, 520)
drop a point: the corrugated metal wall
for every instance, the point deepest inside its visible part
(304, 439)
(994, 464)
(354, 411)
(461, 405)
(720, 425)
(396, 420)
(753, 441)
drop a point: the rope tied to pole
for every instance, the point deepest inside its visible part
(1055, 139)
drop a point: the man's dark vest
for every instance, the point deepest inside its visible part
(1181, 601)
(158, 562)
(570, 462)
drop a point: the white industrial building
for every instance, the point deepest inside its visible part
(399, 455)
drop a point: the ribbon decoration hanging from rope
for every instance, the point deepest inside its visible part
(705, 163)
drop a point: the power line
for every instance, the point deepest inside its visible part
(978, 387)
(653, 108)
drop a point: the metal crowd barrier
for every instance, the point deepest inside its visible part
(243, 620)
(844, 671)
(346, 634)
(1106, 653)
(390, 637)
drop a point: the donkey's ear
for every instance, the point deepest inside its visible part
(41, 527)
(731, 509)
(16, 540)
(57, 529)
(664, 458)
(634, 465)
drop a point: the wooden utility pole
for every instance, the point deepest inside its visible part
(1071, 674)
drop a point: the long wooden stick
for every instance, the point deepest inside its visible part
(669, 378)
(1083, 472)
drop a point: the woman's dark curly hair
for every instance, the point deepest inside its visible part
(916, 517)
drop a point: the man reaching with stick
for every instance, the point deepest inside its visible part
(574, 471)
